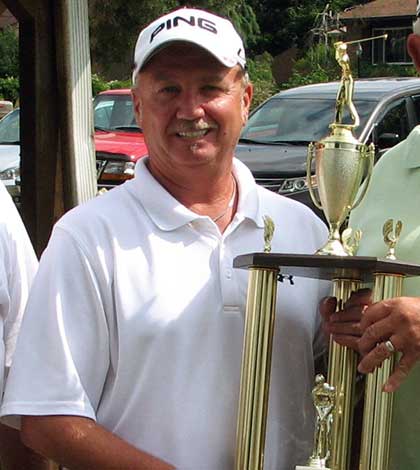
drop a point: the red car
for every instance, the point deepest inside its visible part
(119, 142)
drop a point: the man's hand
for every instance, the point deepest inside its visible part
(344, 325)
(365, 327)
(397, 320)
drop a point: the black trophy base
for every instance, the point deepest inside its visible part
(361, 268)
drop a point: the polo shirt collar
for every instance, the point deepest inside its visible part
(410, 149)
(169, 214)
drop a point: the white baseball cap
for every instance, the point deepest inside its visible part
(213, 33)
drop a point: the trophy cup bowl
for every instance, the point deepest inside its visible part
(341, 164)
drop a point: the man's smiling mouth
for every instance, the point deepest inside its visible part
(193, 134)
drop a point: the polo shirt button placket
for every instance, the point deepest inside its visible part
(227, 280)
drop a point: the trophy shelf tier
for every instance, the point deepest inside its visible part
(359, 268)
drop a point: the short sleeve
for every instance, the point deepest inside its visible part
(62, 355)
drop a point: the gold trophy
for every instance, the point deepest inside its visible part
(343, 168)
(341, 162)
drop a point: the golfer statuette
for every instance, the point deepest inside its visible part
(323, 396)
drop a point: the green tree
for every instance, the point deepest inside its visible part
(115, 24)
(262, 78)
(317, 65)
(288, 23)
(9, 53)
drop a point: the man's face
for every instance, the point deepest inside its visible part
(190, 107)
(413, 46)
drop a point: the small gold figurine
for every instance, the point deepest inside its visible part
(269, 228)
(345, 91)
(391, 236)
(351, 240)
(323, 396)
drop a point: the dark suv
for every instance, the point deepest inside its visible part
(274, 142)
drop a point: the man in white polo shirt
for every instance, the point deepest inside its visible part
(130, 352)
(18, 265)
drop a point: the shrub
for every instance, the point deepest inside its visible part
(98, 84)
(262, 78)
(115, 84)
(317, 65)
(9, 89)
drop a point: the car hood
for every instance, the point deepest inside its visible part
(282, 160)
(9, 156)
(127, 143)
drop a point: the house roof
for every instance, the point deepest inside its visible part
(381, 9)
(6, 18)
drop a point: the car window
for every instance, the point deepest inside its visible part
(297, 120)
(9, 128)
(416, 101)
(395, 121)
(114, 112)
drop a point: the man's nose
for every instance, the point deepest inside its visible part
(190, 106)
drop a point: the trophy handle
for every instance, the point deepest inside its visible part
(309, 159)
(370, 154)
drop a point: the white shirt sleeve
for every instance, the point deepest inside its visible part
(62, 356)
(18, 265)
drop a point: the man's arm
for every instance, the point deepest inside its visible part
(14, 455)
(80, 444)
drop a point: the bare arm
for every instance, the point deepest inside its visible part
(14, 455)
(80, 444)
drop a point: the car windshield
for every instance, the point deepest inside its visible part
(114, 112)
(9, 128)
(297, 120)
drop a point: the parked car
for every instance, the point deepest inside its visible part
(119, 142)
(10, 153)
(274, 142)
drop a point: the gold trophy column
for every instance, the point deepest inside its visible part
(377, 415)
(256, 366)
(342, 366)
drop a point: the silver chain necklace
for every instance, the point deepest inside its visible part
(230, 205)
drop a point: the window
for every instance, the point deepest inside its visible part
(114, 112)
(416, 101)
(298, 119)
(392, 50)
(395, 121)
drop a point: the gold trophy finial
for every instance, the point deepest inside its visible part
(345, 91)
(269, 228)
(343, 165)
(391, 236)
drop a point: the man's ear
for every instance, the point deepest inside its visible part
(138, 108)
(246, 102)
(413, 47)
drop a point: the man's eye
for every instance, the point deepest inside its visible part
(211, 88)
(168, 90)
